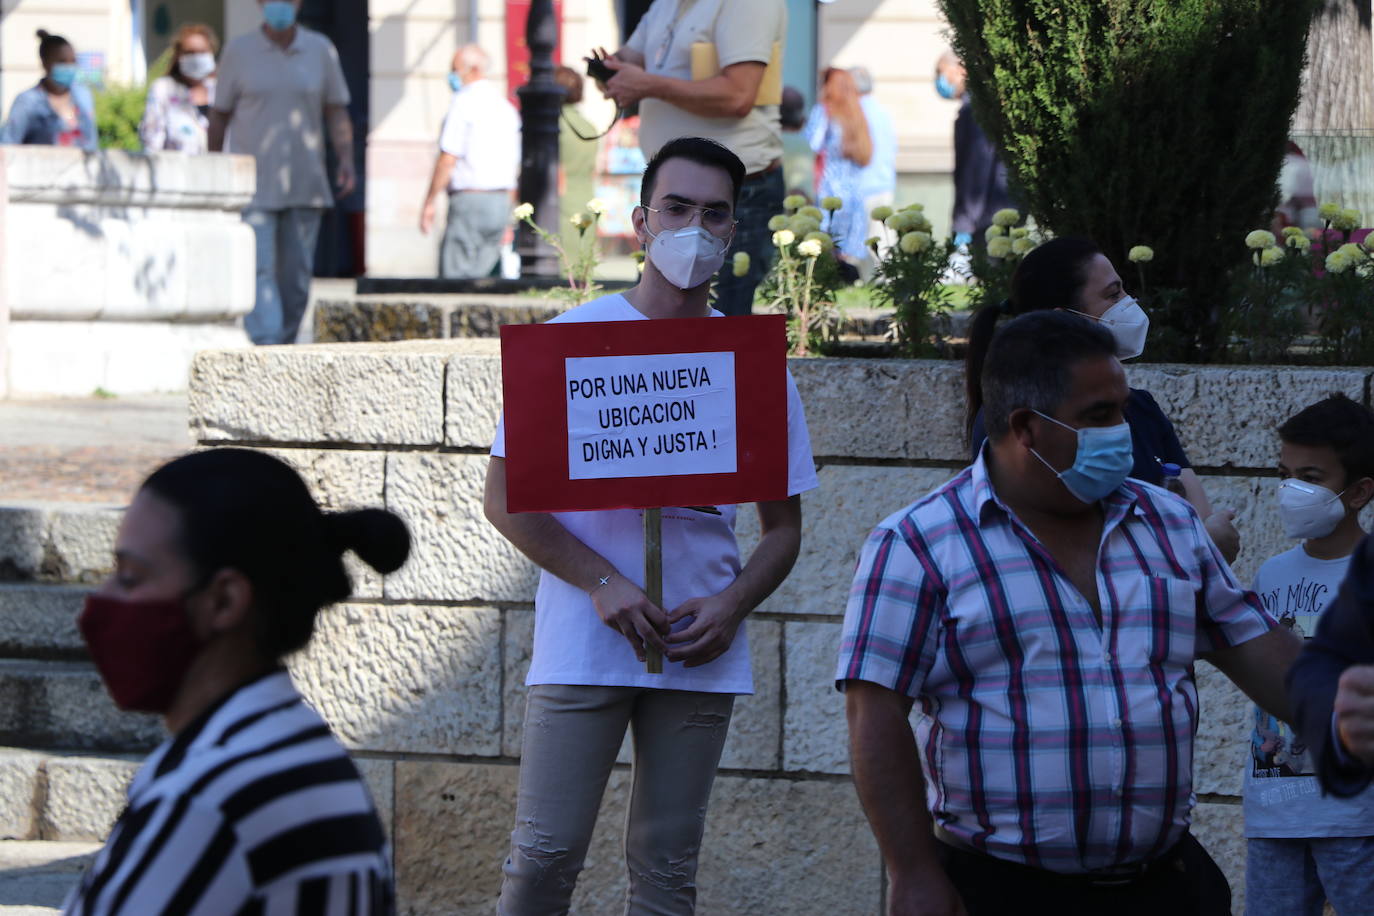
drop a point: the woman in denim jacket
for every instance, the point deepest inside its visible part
(58, 111)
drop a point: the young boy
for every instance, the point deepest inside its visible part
(1305, 848)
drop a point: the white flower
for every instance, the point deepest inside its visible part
(739, 265)
(1259, 239)
(827, 243)
(811, 248)
(993, 232)
(783, 237)
(878, 214)
(777, 222)
(523, 212)
(1299, 241)
(1141, 254)
(831, 203)
(1338, 262)
(1328, 211)
(1346, 220)
(1021, 246)
(581, 220)
(596, 205)
(1007, 217)
(914, 242)
(999, 247)
(1020, 232)
(1271, 256)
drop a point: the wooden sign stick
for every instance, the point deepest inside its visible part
(653, 578)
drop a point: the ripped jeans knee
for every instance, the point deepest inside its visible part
(540, 874)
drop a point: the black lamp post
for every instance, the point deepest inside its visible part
(541, 100)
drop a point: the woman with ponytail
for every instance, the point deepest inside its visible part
(59, 111)
(1073, 274)
(222, 563)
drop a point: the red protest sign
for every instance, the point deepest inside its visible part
(641, 414)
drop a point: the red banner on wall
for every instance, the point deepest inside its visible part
(517, 52)
(645, 414)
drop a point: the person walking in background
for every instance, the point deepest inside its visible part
(839, 133)
(278, 87)
(878, 180)
(479, 164)
(1303, 849)
(713, 68)
(980, 177)
(222, 563)
(58, 111)
(177, 115)
(1046, 613)
(576, 157)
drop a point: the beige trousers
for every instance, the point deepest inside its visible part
(572, 736)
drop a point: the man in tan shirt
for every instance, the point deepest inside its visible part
(278, 87)
(655, 70)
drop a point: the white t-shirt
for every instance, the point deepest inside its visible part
(483, 130)
(700, 558)
(1282, 796)
(742, 31)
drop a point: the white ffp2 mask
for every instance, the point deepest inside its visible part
(686, 257)
(1308, 510)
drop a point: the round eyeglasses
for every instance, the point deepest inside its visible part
(675, 216)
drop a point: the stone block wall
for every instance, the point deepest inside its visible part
(118, 267)
(422, 671)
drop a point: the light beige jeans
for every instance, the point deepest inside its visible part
(572, 735)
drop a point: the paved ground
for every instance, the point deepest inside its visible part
(36, 877)
(86, 449)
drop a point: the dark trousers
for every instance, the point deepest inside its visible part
(760, 198)
(1183, 882)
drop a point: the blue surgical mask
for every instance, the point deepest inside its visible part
(1102, 463)
(944, 87)
(454, 81)
(279, 15)
(63, 75)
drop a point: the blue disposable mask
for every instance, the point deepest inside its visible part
(279, 15)
(63, 75)
(1102, 463)
(945, 87)
(454, 81)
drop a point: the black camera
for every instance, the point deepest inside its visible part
(597, 69)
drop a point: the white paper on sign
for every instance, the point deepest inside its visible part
(650, 416)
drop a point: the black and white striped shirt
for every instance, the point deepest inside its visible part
(253, 810)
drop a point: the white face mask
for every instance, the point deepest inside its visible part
(1309, 511)
(686, 257)
(196, 66)
(1128, 323)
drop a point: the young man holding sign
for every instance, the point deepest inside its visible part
(593, 620)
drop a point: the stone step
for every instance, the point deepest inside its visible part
(35, 877)
(62, 704)
(57, 542)
(62, 797)
(38, 621)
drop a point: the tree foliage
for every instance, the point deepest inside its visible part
(1156, 122)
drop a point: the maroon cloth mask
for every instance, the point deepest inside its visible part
(142, 649)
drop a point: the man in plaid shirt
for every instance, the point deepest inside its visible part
(1046, 613)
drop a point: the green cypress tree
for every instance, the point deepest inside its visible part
(1156, 122)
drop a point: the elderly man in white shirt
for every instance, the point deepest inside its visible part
(479, 161)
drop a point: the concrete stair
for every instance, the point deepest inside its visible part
(66, 753)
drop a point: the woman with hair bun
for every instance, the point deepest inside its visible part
(58, 111)
(1073, 274)
(222, 563)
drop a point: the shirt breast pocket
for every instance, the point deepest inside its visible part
(1161, 619)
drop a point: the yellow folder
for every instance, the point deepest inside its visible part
(706, 64)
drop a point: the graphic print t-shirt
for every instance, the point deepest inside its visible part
(1282, 796)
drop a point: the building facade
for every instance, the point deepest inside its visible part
(396, 55)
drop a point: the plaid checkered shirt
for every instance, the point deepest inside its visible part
(1047, 739)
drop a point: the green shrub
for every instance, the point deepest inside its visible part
(118, 111)
(1157, 122)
